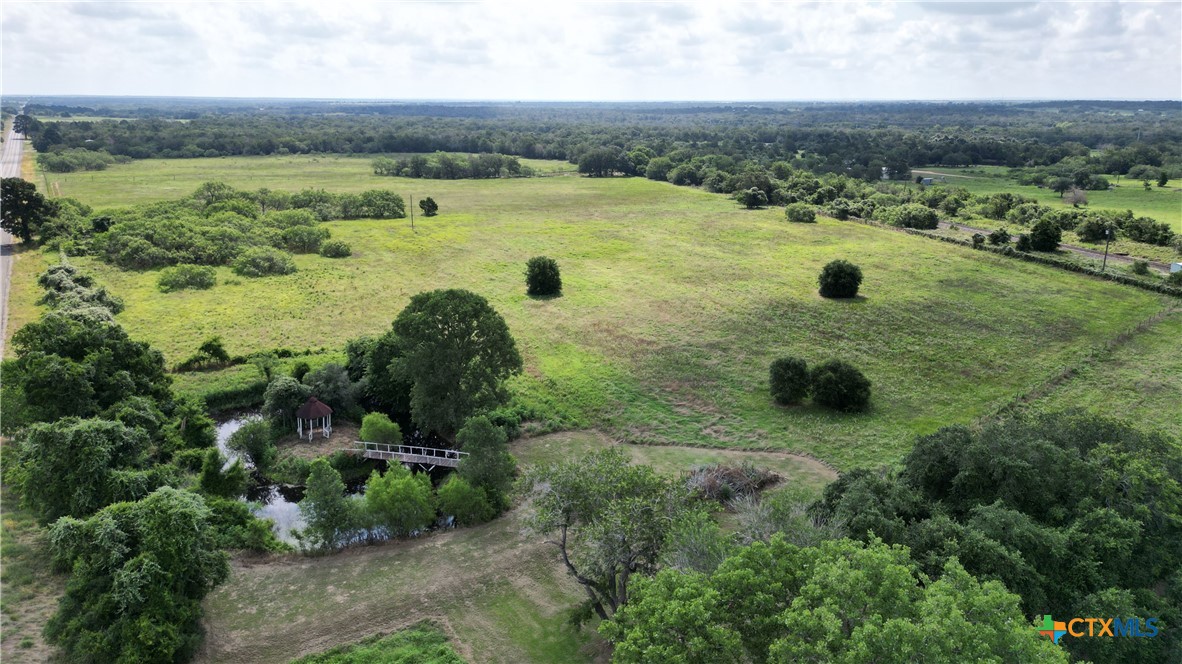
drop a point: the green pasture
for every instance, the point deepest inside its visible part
(1160, 203)
(675, 303)
(1140, 380)
(148, 180)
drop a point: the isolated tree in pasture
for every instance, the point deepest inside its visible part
(22, 209)
(1061, 186)
(839, 385)
(789, 379)
(840, 279)
(608, 518)
(1163, 179)
(999, 236)
(456, 352)
(429, 207)
(542, 276)
(1077, 197)
(140, 571)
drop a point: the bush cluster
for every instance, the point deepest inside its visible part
(336, 249)
(262, 262)
(800, 213)
(834, 384)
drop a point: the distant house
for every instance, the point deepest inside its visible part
(926, 181)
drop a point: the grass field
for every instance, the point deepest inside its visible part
(422, 644)
(29, 588)
(1161, 203)
(1139, 380)
(148, 180)
(675, 303)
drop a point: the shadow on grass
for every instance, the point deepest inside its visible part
(542, 298)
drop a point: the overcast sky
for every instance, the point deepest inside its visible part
(561, 50)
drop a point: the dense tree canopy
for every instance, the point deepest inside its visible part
(140, 571)
(841, 601)
(1068, 510)
(456, 352)
(22, 209)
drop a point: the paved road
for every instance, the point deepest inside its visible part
(10, 167)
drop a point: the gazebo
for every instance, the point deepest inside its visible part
(314, 414)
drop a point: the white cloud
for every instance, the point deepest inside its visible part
(600, 50)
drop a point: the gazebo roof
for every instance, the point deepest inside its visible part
(313, 409)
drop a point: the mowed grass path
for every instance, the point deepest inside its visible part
(675, 303)
(1160, 203)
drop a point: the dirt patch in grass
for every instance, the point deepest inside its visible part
(344, 434)
(29, 588)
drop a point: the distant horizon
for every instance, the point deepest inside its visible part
(508, 100)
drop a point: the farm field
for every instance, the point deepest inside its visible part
(147, 180)
(1138, 380)
(675, 303)
(1161, 203)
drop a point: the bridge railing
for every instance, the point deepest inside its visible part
(409, 450)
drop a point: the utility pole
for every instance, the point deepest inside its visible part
(412, 211)
(1107, 240)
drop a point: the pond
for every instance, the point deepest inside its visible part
(278, 503)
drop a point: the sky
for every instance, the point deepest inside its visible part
(595, 51)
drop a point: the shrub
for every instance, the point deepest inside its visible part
(911, 215)
(300, 370)
(254, 439)
(542, 276)
(304, 239)
(840, 278)
(978, 240)
(378, 428)
(1175, 278)
(801, 213)
(429, 207)
(1000, 236)
(336, 249)
(751, 198)
(468, 504)
(840, 386)
(1140, 267)
(1045, 236)
(1092, 229)
(263, 261)
(1024, 243)
(789, 380)
(182, 277)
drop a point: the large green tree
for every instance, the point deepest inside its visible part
(456, 352)
(400, 501)
(488, 465)
(326, 509)
(22, 209)
(841, 601)
(140, 571)
(608, 518)
(74, 467)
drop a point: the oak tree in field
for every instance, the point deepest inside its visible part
(542, 276)
(456, 352)
(22, 209)
(429, 207)
(609, 520)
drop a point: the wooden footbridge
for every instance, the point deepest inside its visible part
(426, 457)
